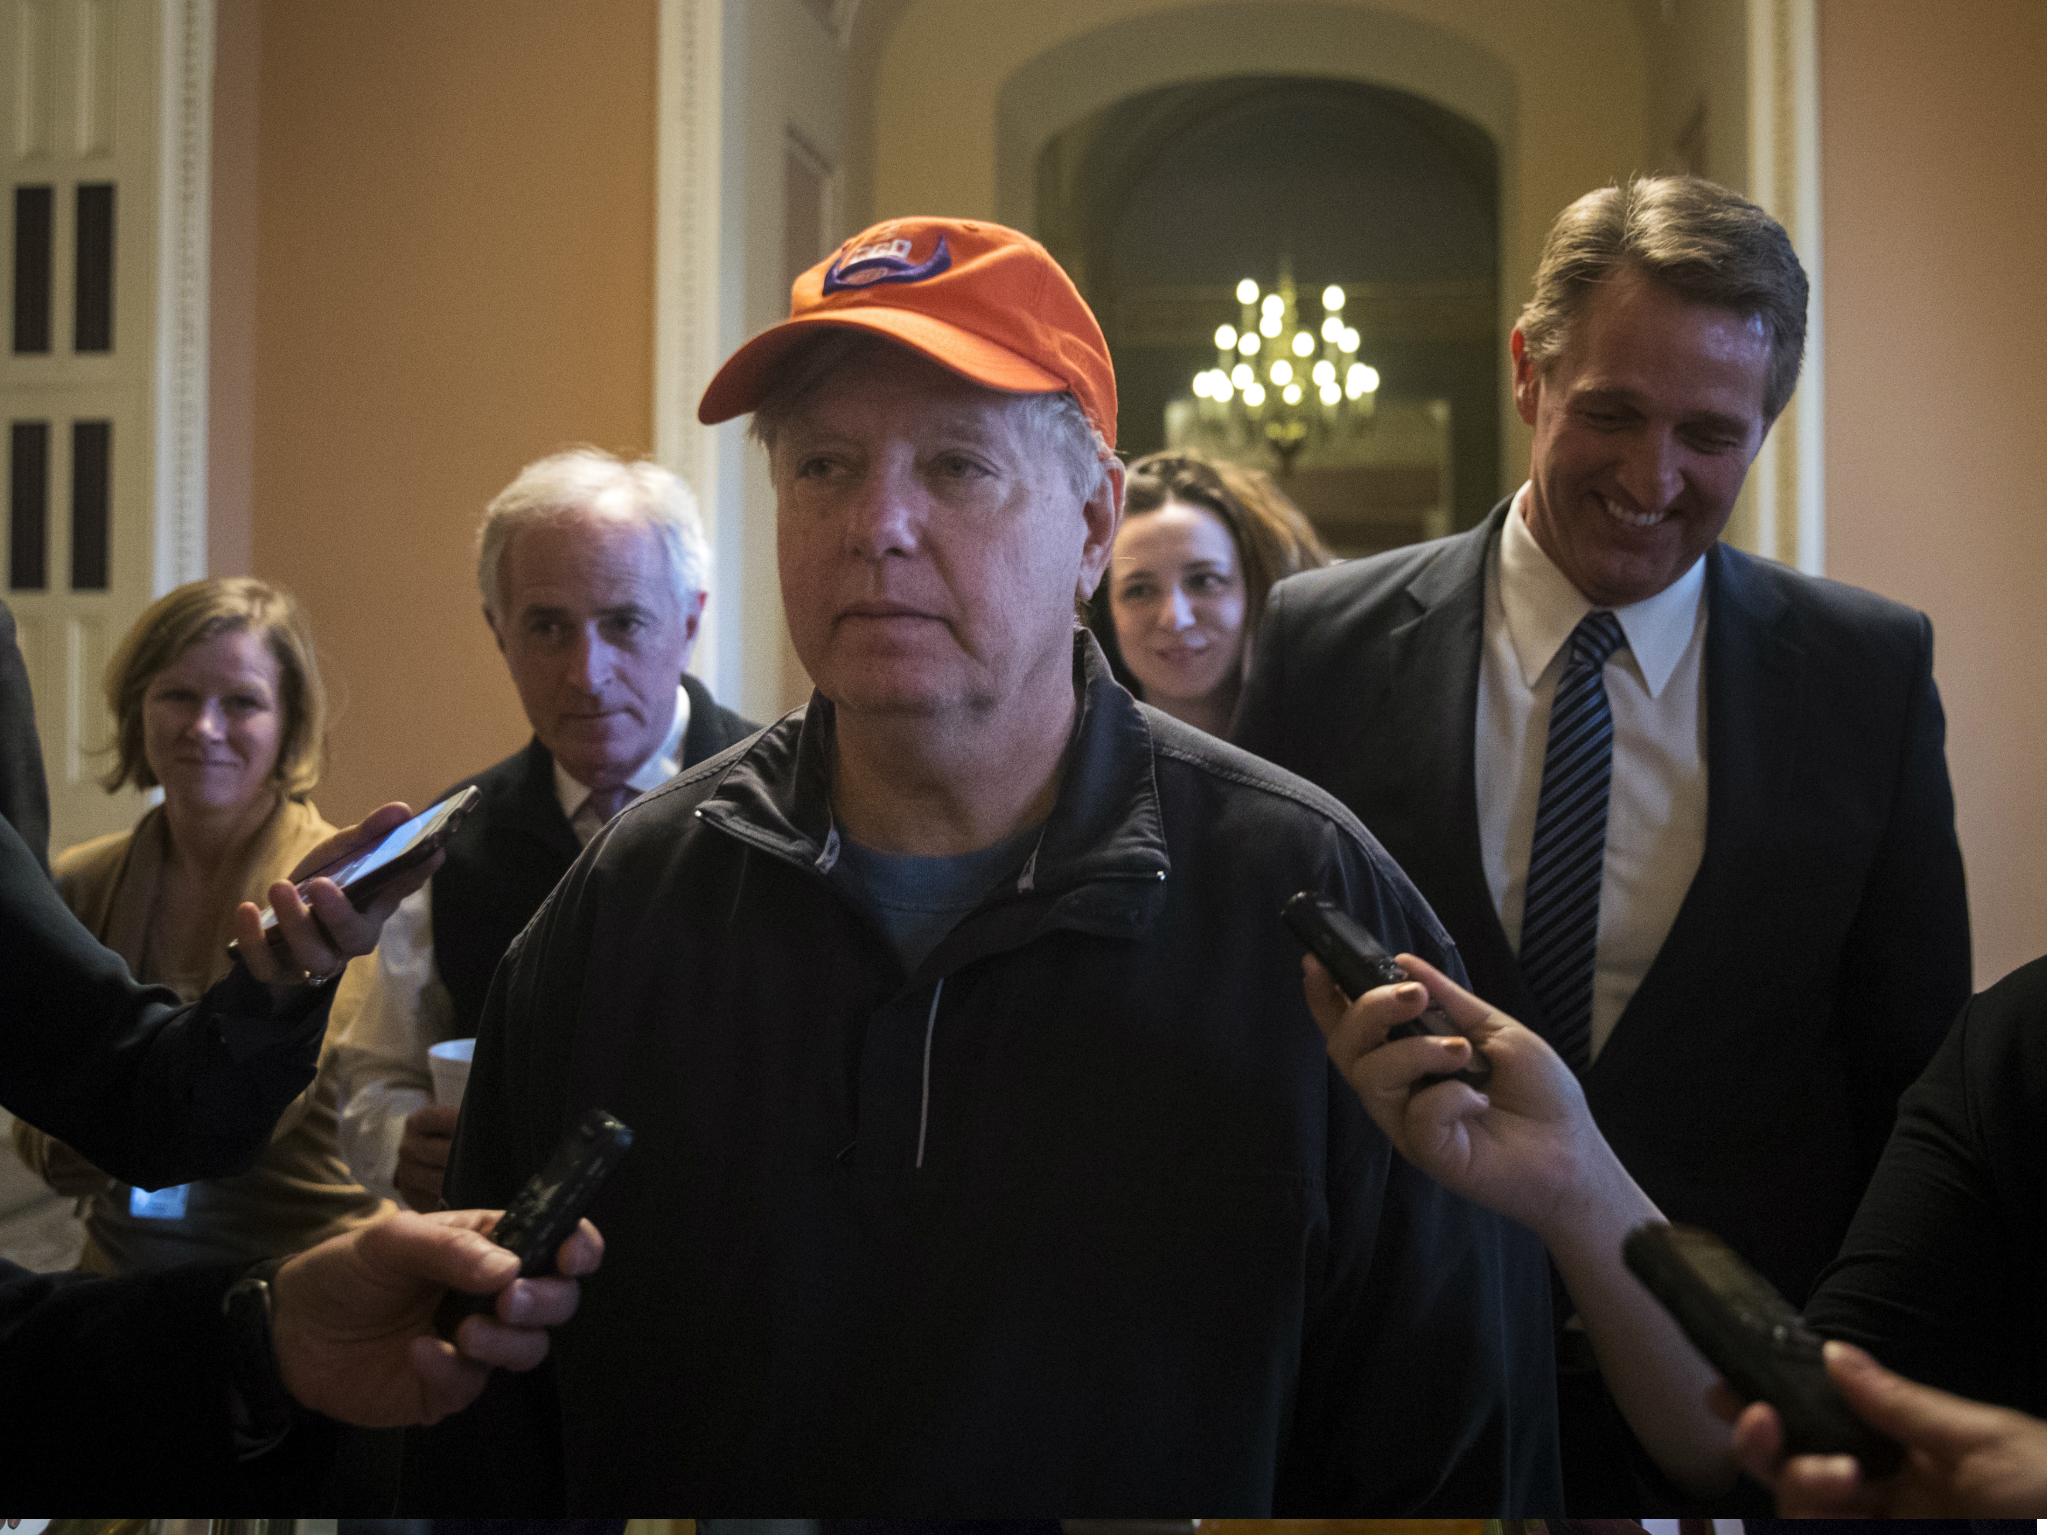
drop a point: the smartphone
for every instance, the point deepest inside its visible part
(554, 1200)
(1751, 1335)
(362, 874)
(546, 1210)
(1358, 962)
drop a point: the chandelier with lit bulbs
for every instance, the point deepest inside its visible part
(1278, 383)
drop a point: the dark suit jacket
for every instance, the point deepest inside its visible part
(514, 846)
(1824, 942)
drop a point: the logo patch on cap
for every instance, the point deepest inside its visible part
(884, 261)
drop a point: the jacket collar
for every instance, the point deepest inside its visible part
(707, 733)
(1431, 681)
(1461, 564)
(1105, 822)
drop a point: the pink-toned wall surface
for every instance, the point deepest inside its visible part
(453, 261)
(1932, 175)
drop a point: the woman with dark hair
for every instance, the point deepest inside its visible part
(1202, 542)
(217, 700)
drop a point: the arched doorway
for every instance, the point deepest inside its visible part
(1161, 202)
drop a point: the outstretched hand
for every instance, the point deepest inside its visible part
(1963, 1458)
(1528, 1149)
(1520, 1148)
(320, 929)
(353, 1319)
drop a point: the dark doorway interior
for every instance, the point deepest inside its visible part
(1161, 203)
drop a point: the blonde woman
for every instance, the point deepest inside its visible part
(216, 700)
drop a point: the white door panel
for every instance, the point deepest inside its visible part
(82, 108)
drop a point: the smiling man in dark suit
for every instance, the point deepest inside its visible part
(1684, 810)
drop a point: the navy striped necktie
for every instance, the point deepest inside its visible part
(1561, 901)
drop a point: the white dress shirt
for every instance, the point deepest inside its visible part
(391, 1006)
(1657, 802)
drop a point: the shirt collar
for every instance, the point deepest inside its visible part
(1542, 608)
(666, 763)
(1105, 825)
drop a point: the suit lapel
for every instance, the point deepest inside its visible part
(1428, 716)
(1752, 702)
(1753, 708)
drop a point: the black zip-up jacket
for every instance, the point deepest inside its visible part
(1074, 1219)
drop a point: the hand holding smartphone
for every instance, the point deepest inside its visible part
(1357, 962)
(368, 870)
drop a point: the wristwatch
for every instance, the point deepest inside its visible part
(260, 1408)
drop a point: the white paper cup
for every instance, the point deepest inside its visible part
(449, 1061)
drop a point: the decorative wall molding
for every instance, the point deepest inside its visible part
(184, 211)
(677, 278)
(1788, 483)
(689, 192)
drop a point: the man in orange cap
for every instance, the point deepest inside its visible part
(988, 1161)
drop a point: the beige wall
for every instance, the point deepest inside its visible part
(1699, 87)
(452, 264)
(1932, 173)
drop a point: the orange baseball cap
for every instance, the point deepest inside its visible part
(978, 299)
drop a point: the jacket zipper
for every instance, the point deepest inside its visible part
(924, 1105)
